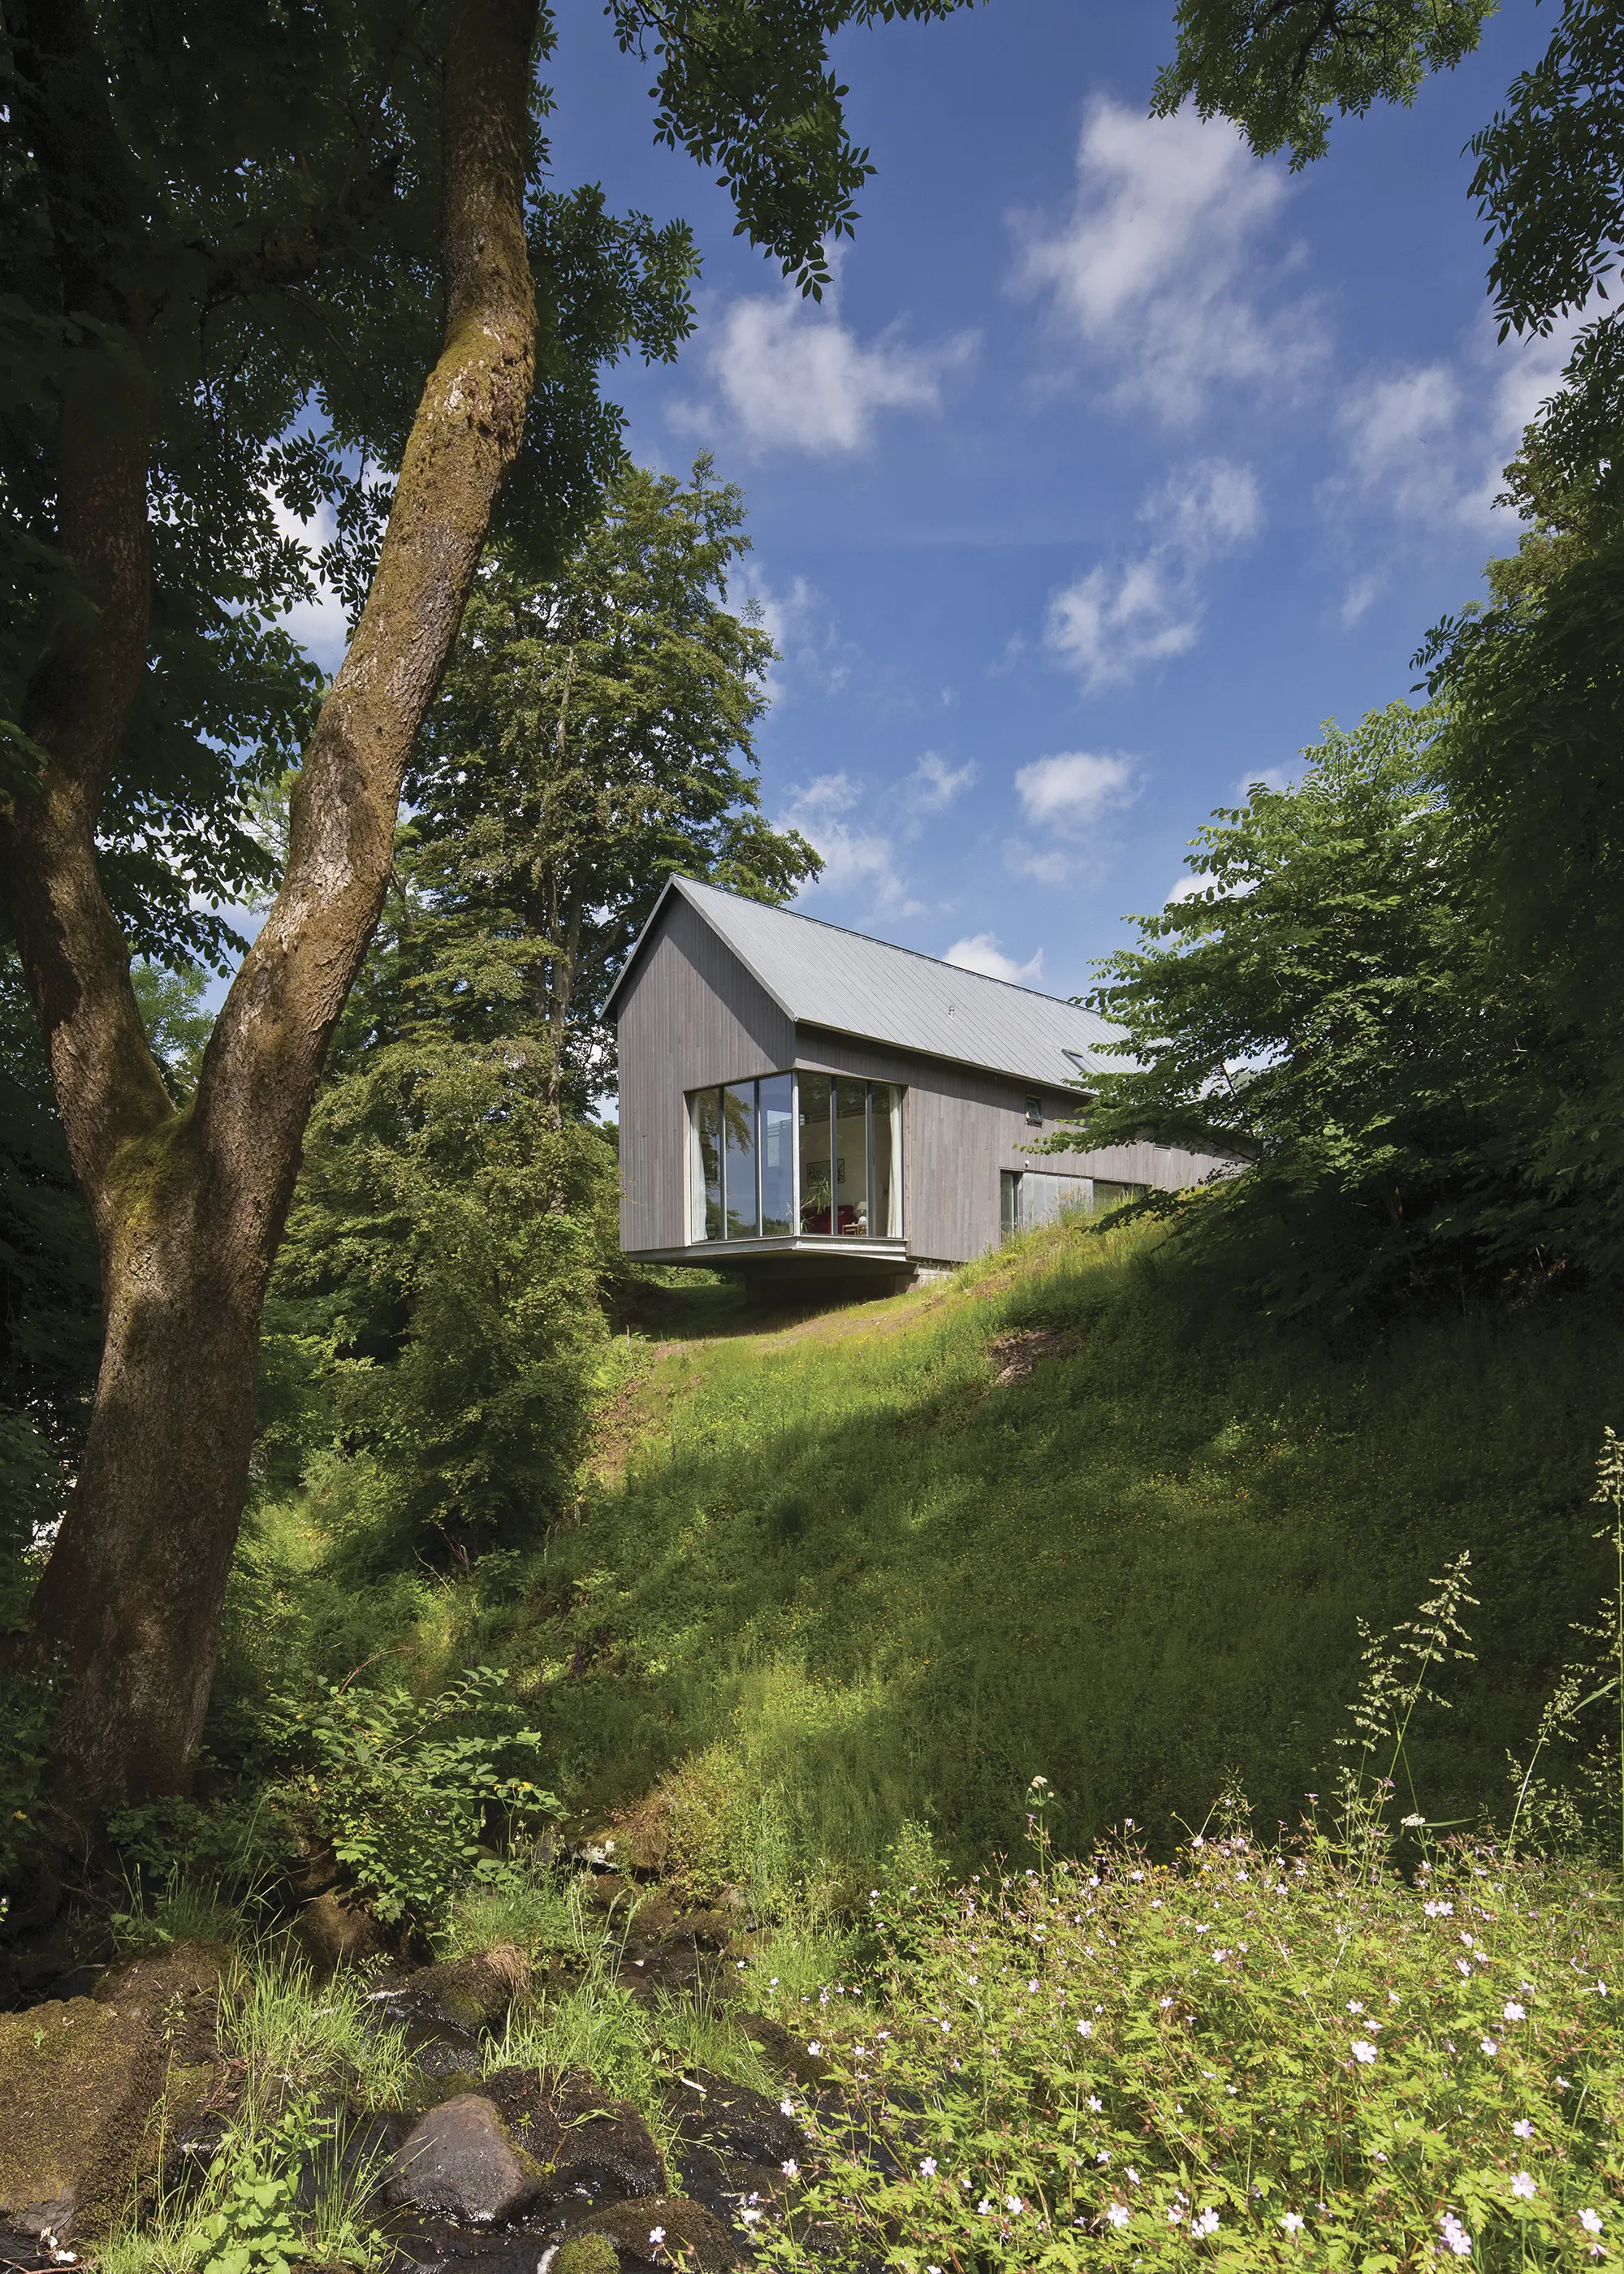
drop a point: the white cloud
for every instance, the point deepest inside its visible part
(1427, 443)
(1150, 269)
(1114, 621)
(931, 787)
(319, 625)
(793, 376)
(799, 626)
(858, 859)
(980, 953)
(1186, 889)
(1068, 792)
(1271, 778)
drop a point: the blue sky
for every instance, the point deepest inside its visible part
(1115, 463)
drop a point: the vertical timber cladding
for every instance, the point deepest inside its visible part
(960, 1127)
(691, 1015)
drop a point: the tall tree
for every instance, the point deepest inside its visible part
(230, 239)
(591, 737)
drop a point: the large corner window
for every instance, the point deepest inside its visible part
(811, 1153)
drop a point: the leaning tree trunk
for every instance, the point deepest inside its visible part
(189, 1209)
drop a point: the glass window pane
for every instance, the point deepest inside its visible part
(1009, 1202)
(778, 1168)
(739, 1119)
(886, 1138)
(708, 1164)
(816, 1190)
(852, 1158)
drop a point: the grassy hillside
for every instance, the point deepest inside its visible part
(833, 1574)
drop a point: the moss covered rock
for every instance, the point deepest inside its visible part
(472, 1993)
(79, 2080)
(651, 2232)
(588, 2253)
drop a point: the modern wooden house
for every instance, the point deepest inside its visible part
(802, 1103)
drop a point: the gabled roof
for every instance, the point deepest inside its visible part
(820, 975)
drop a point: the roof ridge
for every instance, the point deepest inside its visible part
(1066, 1002)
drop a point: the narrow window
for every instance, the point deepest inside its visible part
(1009, 1202)
(708, 1164)
(739, 1123)
(816, 1155)
(1034, 1113)
(852, 1158)
(885, 1109)
(777, 1164)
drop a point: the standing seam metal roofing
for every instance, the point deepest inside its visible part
(821, 975)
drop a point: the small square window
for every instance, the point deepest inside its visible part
(1035, 1111)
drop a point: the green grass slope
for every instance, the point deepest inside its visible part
(835, 1575)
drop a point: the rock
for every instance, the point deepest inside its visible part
(732, 2118)
(461, 2158)
(175, 1992)
(337, 1930)
(680, 2223)
(470, 1993)
(706, 1930)
(587, 2254)
(585, 2138)
(78, 2083)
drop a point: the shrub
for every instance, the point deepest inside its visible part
(419, 1797)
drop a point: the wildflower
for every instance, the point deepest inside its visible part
(1032, 1989)
(1204, 2222)
(1412, 1823)
(1456, 2237)
(1438, 1910)
(1364, 2051)
(790, 2168)
(1119, 2213)
(1462, 1966)
(814, 2048)
(982, 2208)
(947, 2029)
(1523, 2186)
(928, 2164)
(1174, 2217)
(1084, 2029)
(1133, 2177)
(1590, 2221)
(1014, 2205)
(1512, 2012)
(656, 2235)
(1524, 2128)
(1292, 2221)
(1489, 2046)
(1563, 2084)
(1164, 2003)
(1095, 2103)
(750, 2218)
(788, 2107)
(1601, 1990)
(1354, 2006)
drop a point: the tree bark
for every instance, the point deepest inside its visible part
(189, 1208)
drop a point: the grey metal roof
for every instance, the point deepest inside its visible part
(820, 975)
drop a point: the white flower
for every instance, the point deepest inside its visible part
(1364, 2051)
(1512, 2012)
(982, 2208)
(1119, 2213)
(1014, 2205)
(750, 2218)
(1438, 1910)
(1354, 2006)
(1524, 2128)
(1601, 1989)
(815, 2048)
(1292, 2221)
(1590, 2221)
(1462, 1966)
(1523, 2186)
(790, 2168)
(1489, 2046)
(927, 2165)
(788, 2107)
(1456, 2237)
(1095, 2103)
(1084, 2029)
(656, 2235)
(947, 2029)
(1412, 1823)
(1204, 2222)
(1133, 2177)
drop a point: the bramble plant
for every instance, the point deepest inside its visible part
(420, 1797)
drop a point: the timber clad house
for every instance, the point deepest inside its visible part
(803, 1104)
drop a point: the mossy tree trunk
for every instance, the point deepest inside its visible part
(189, 1208)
